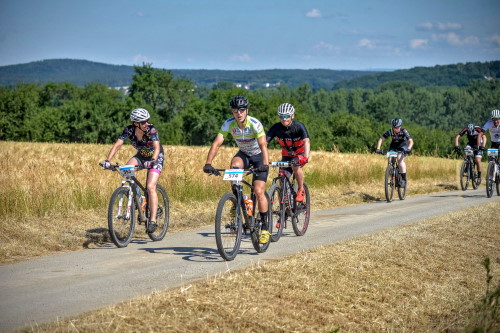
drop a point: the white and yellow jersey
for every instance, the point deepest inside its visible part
(245, 138)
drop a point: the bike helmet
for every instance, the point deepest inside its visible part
(139, 115)
(239, 103)
(470, 129)
(495, 113)
(396, 122)
(286, 109)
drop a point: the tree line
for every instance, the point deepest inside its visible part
(346, 120)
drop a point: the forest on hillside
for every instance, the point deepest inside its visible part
(338, 120)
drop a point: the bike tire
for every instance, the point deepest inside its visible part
(464, 175)
(401, 189)
(277, 212)
(228, 226)
(389, 183)
(162, 215)
(474, 176)
(255, 232)
(490, 179)
(121, 227)
(300, 220)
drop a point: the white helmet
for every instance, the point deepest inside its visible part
(495, 113)
(139, 115)
(286, 109)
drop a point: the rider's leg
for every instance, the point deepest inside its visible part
(299, 176)
(402, 166)
(153, 176)
(260, 193)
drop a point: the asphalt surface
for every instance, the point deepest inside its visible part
(43, 289)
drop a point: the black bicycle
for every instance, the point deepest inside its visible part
(393, 177)
(128, 203)
(492, 173)
(232, 217)
(468, 171)
(284, 207)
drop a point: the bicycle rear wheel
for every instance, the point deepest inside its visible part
(302, 209)
(228, 226)
(277, 212)
(121, 217)
(401, 189)
(389, 183)
(162, 215)
(464, 175)
(255, 232)
(490, 178)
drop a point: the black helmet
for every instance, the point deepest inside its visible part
(396, 122)
(239, 103)
(470, 129)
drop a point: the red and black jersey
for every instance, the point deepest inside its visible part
(291, 139)
(472, 139)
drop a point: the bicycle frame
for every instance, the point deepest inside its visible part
(132, 180)
(288, 193)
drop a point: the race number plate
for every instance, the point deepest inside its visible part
(392, 154)
(127, 170)
(233, 174)
(469, 152)
(493, 152)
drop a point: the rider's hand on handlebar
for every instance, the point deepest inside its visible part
(149, 164)
(378, 151)
(301, 160)
(458, 149)
(408, 151)
(481, 148)
(106, 164)
(263, 168)
(208, 168)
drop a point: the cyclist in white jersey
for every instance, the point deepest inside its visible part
(492, 125)
(250, 137)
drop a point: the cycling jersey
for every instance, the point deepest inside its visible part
(399, 140)
(471, 139)
(291, 138)
(245, 138)
(145, 146)
(494, 131)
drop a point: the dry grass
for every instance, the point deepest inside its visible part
(55, 196)
(425, 277)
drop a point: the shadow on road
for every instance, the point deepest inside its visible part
(194, 254)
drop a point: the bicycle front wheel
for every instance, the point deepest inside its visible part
(302, 209)
(121, 217)
(162, 215)
(255, 232)
(389, 183)
(490, 178)
(464, 175)
(228, 226)
(277, 212)
(474, 175)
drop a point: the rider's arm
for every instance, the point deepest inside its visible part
(307, 148)
(114, 149)
(457, 138)
(263, 147)
(156, 146)
(379, 143)
(410, 143)
(219, 139)
(482, 139)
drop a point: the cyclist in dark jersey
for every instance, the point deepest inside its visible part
(143, 137)
(473, 133)
(401, 142)
(250, 137)
(294, 140)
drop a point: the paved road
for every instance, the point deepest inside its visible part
(42, 289)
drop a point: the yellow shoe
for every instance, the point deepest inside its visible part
(264, 237)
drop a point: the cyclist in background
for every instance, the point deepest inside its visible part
(144, 137)
(294, 140)
(401, 142)
(492, 125)
(250, 137)
(473, 134)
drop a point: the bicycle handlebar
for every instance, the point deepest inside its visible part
(115, 167)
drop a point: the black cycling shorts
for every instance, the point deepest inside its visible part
(253, 161)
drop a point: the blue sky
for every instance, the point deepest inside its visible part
(252, 34)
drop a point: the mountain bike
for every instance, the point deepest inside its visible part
(393, 177)
(469, 172)
(493, 173)
(232, 217)
(127, 203)
(284, 207)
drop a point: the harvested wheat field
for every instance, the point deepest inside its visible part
(426, 277)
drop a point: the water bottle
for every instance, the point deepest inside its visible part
(143, 203)
(248, 205)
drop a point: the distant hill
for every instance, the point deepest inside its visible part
(81, 72)
(447, 75)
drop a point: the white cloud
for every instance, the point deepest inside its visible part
(139, 59)
(449, 26)
(425, 26)
(326, 46)
(418, 43)
(241, 58)
(495, 39)
(141, 14)
(314, 13)
(455, 40)
(365, 42)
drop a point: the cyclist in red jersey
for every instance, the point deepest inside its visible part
(294, 140)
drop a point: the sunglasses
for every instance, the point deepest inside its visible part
(285, 116)
(495, 119)
(144, 122)
(235, 111)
